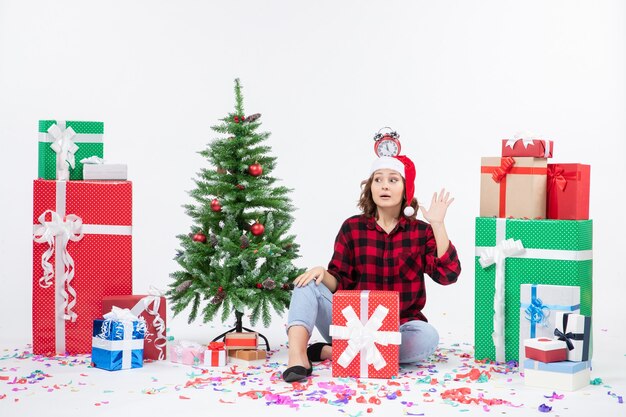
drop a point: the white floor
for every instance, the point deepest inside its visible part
(31, 386)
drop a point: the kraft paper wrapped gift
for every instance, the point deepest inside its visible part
(513, 187)
(365, 331)
(539, 308)
(575, 330)
(215, 355)
(82, 252)
(63, 141)
(151, 308)
(511, 252)
(537, 148)
(545, 350)
(568, 191)
(117, 341)
(186, 352)
(565, 376)
(241, 340)
(248, 354)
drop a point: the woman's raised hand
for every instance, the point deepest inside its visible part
(438, 207)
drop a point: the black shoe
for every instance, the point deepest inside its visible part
(297, 373)
(314, 352)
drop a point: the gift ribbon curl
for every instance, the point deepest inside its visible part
(497, 255)
(362, 338)
(154, 300)
(56, 233)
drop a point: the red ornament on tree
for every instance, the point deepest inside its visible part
(255, 169)
(220, 289)
(259, 285)
(241, 187)
(257, 229)
(215, 205)
(199, 237)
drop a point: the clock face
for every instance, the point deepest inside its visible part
(387, 147)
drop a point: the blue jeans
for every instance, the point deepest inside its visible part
(311, 306)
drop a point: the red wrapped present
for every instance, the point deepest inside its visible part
(568, 191)
(545, 350)
(537, 148)
(513, 187)
(215, 355)
(241, 340)
(152, 309)
(82, 252)
(365, 331)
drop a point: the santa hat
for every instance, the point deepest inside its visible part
(405, 167)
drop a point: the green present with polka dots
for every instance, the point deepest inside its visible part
(556, 252)
(88, 138)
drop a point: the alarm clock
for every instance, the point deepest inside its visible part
(387, 143)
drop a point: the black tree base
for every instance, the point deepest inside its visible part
(239, 328)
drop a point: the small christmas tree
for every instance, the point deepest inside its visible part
(239, 253)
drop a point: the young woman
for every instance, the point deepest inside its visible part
(384, 248)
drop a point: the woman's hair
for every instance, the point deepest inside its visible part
(366, 201)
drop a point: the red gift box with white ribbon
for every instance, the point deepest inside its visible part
(151, 308)
(365, 331)
(520, 146)
(82, 252)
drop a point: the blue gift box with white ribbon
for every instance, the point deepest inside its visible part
(117, 343)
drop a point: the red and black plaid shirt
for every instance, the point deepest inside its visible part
(367, 258)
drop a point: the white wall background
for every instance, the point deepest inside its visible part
(452, 77)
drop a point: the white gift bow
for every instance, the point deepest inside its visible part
(524, 137)
(153, 299)
(126, 318)
(63, 145)
(498, 255)
(363, 338)
(61, 231)
(94, 160)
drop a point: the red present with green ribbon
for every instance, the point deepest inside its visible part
(513, 187)
(568, 191)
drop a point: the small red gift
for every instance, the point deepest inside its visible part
(545, 350)
(365, 331)
(82, 252)
(537, 148)
(152, 309)
(568, 191)
(215, 355)
(241, 340)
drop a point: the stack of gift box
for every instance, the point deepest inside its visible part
(533, 262)
(82, 254)
(239, 345)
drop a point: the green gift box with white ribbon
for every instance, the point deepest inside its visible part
(512, 252)
(63, 144)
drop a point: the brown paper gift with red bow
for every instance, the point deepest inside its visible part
(513, 187)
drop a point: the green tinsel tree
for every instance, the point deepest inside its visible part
(239, 254)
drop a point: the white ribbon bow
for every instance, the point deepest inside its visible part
(153, 299)
(63, 145)
(524, 137)
(60, 231)
(363, 337)
(497, 256)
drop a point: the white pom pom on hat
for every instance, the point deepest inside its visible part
(405, 167)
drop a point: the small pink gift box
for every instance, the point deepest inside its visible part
(186, 352)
